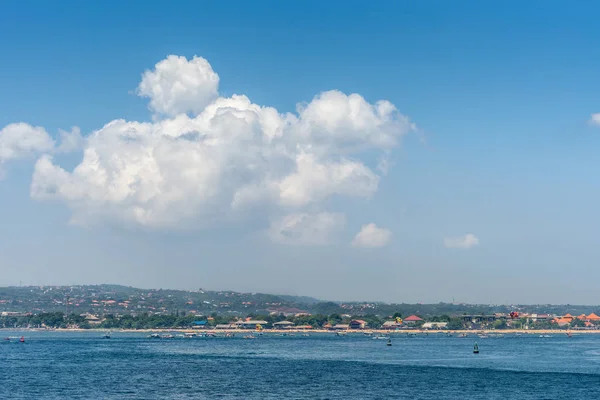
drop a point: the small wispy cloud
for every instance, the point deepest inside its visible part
(372, 236)
(595, 119)
(461, 242)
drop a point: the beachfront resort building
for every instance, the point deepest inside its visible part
(250, 324)
(413, 319)
(200, 324)
(435, 325)
(391, 325)
(340, 327)
(358, 324)
(283, 325)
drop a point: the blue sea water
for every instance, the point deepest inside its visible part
(53, 365)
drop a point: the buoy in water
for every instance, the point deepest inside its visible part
(475, 349)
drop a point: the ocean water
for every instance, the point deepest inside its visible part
(52, 365)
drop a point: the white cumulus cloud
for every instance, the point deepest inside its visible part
(306, 228)
(21, 140)
(461, 242)
(595, 119)
(372, 236)
(207, 158)
(177, 85)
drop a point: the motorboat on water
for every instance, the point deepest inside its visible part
(380, 337)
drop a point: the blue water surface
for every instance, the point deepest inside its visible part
(83, 365)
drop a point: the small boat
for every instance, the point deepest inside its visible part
(483, 336)
(380, 337)
(107, 335)
(545, 336)
(340, 333)
(475, 349)
(411, 334)
(462, 335)
(305, 335)
(154, 336)
(22, 340)
(569, 334)
(167, 336)
(389, 342)
(249, 337)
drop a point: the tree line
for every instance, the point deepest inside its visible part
(181, 320)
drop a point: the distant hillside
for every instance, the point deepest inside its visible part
(299, 299)
(118, 299)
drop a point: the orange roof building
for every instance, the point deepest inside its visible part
(593, 317)
(563, 321)
(568, 317)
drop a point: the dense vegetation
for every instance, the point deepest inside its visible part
(131, 308)
(181, 321)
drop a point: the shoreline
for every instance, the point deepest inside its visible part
(351, 331)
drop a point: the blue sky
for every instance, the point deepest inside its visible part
(502, 96)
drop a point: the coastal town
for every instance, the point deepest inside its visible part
(120, 307)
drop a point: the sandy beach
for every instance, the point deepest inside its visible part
(353, 331)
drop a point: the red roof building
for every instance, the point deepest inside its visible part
(412, 319)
